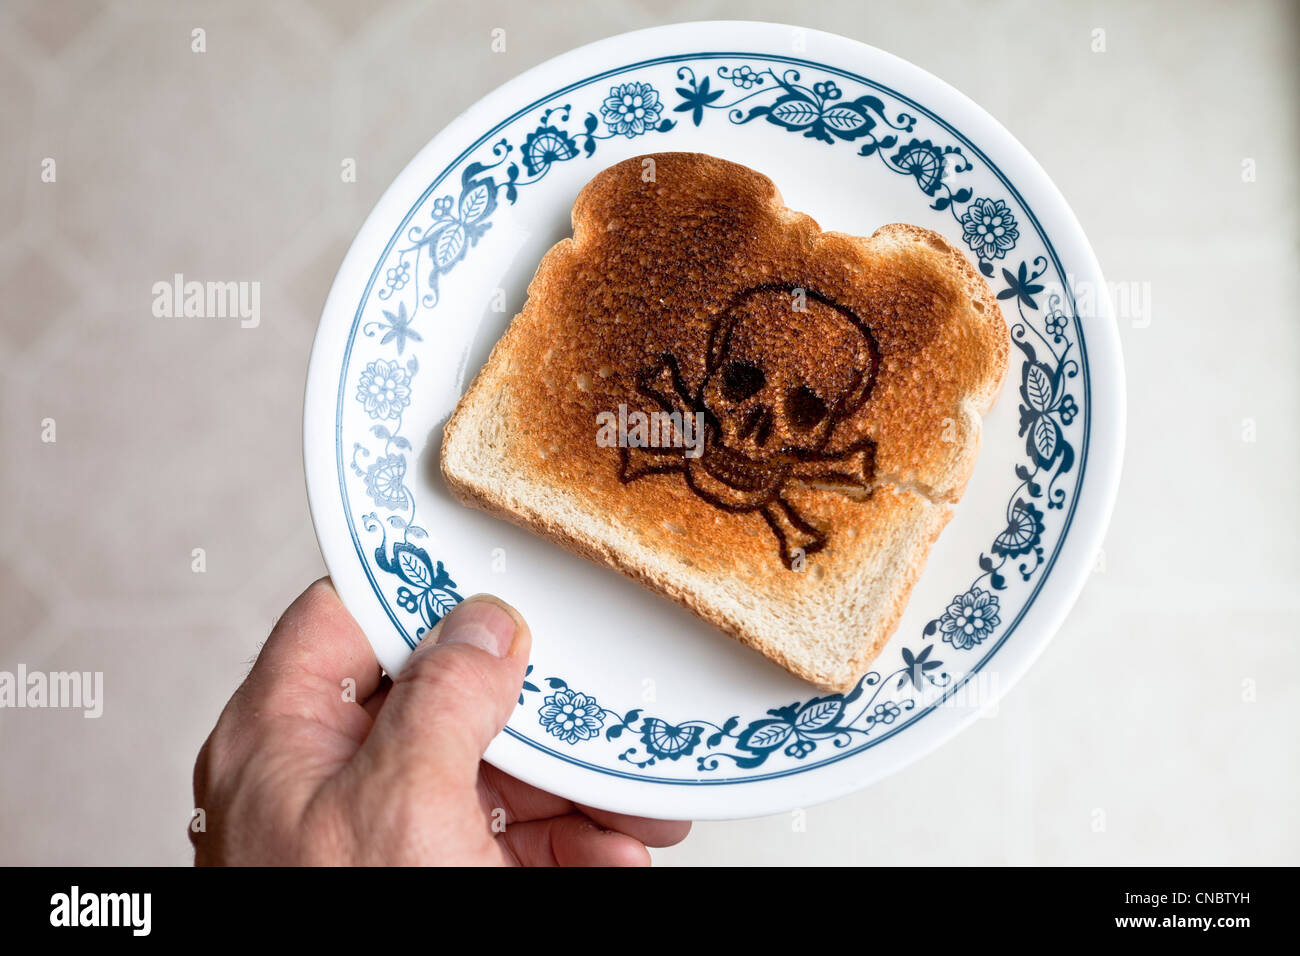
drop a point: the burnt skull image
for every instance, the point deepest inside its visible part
(785, 366)
(780, 379)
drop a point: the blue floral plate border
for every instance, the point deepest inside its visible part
(646, 102)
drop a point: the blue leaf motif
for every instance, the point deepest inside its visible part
(731, 724)
(764, 735)
(1038, 387)
(472, 170)
(413, 566)
(819, 713)
(795, 113)
(474, 203)
(1045, 438)
(843, 119)
(449, 245)
(441, 602)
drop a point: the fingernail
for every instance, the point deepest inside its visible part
(480, 623)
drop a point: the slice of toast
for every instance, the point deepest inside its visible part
(828, 392)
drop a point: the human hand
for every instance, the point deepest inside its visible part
(299, 772)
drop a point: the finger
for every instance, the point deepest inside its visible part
(523, 802)
(572, 840)
(314, 651)
(454, 694)
(292, 710)
(650, 832)
(376, 700)
(298, 678)
(520, 801)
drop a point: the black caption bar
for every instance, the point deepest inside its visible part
(135, 905)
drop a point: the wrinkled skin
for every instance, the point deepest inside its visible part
(297, 773)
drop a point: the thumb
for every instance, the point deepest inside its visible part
(455, 692)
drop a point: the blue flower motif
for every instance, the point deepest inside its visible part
(1023, 532)
(919, 667)
(1023, 285)
(384, 389)
(397, 327)
(571, 716)
(1068, 409)
(547, 145)
(886, 713)
(800, 748)
(631, 109)
(386, 482)
(923, 161)
(970, 618)
(697, 98)
(827, 91)
(398, 276)
(667, 740)
(1056, 323)
(744, 77)
(989, 228)
(442, 207)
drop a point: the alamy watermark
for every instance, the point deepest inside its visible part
(61, 690)
(179, 299)
(133, 911)
(638, 429)
(1130, 300)
(979, 693)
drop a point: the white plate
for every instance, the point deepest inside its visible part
(680, 721)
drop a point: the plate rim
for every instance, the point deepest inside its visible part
(1103, 461)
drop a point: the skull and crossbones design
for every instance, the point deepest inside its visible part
(785, 366)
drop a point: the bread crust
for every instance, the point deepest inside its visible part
(650, 268)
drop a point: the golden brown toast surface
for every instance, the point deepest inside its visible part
(840, 381)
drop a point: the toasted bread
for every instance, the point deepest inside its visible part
(838, 384)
